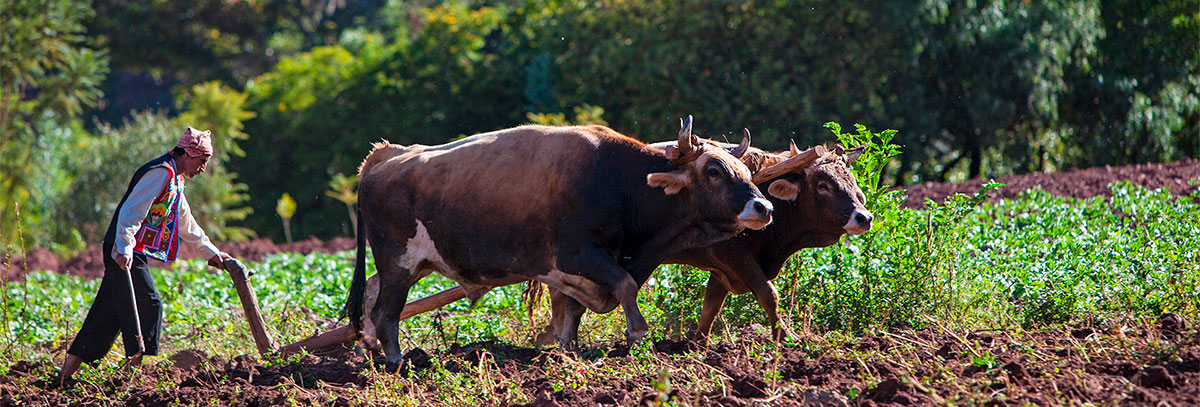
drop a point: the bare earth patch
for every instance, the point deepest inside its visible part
(1104, 365)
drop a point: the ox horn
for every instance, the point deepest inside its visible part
(800, 160)
(686, 140)
(852, 154)
(743, 146)
(792, 146)
(685, 136)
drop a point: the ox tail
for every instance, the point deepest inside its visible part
(354, 302)
(534, 291)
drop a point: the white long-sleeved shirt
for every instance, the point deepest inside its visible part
(137, 205)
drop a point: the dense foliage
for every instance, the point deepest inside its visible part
(975, 88)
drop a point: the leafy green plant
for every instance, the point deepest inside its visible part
(984, 361)
(870, 166)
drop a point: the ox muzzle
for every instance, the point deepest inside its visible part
(757, 214)
(860, 222)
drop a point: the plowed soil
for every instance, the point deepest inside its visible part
(1151, 364)
(1082, 366)
(1084, 183)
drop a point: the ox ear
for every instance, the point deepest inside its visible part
(784, 189)
(671, 182)
(852, 154)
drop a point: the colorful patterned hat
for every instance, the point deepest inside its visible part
(196, 142)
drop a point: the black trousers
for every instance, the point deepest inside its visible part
(111, 313)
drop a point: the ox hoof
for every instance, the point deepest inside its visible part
(544, 339)
(633, 336)
(567, 345)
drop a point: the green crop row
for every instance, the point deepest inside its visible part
(1030, 262)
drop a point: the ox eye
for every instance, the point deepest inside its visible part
(823, 187)
(714, 172)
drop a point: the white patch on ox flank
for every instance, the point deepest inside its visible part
(595, 297)
(419, 251)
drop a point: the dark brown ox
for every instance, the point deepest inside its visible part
(585, 210)
(816, 200)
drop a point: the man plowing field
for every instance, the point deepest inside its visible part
(151, 220)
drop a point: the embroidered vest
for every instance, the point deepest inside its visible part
(158, 237)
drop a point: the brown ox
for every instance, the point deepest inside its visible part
(816, 200)
(585, 210)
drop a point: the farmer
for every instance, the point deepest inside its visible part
(150, 222)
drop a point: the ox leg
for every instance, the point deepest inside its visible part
(768, 298)
(568, 329)
(554, 329)
(714, 300)
(635, 324)
(596, 265)
(393, 293)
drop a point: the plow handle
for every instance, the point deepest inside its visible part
(262, 339)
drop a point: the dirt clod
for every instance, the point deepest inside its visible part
(820, 398)
(1082, 333)
(188, 359)
(747, 386)
(1156, 377)
(741, 375)
(892, 391)
(1171, 322)
(1016, 371)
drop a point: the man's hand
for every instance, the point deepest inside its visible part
(219, 260)
(125, 262)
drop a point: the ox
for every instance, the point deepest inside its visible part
(585, 210)
(816, 200)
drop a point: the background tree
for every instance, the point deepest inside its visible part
(1140, 99)
(445, 80)
(974, 88)
(217, 199)
(990, 77)
(49, 75)
(159, 46)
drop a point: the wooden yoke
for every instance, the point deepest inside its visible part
(797, 161)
